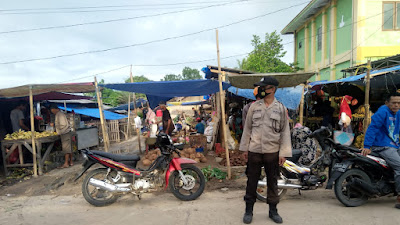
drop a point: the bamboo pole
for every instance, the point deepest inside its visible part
(102, 121)
(134, 106)
(221, 94)
(129, 113)
(33, 132)
(302, 106)
(367, 90)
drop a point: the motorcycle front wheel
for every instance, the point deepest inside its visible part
(262, 191)
(195, 183)
(348, 196)
(95, 195)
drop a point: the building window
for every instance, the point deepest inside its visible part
(319, 38)
(300, 44)
(391, 16)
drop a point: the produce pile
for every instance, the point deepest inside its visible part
(17, 135)
(359, 143)
(190, 153)
(236, 158)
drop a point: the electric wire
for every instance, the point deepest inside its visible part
(153, 41)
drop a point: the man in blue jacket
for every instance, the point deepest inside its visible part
(382, 137)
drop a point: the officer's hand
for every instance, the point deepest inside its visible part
(365, 151)
(281, 160)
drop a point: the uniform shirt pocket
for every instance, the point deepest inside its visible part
(275, 122)
(256, 119)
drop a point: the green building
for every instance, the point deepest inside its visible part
(331, 35)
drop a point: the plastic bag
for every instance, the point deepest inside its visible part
(343, 138)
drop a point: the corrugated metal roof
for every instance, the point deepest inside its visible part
(309, 11)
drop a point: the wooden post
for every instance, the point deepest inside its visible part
(134, 106)
(102, 121)
(221, 94)
(33, 133)
(129, 114)
(65, 106)
(366, 103)
(302, 106)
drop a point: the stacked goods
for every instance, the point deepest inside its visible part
(359, 143)
(17, 135)
(191, 153)
(236, 158)
(150, 157)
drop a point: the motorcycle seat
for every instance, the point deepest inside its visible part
(117, 157)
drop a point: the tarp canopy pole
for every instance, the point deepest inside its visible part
(129, 113)
(302, 106)
(134, 106)
(33, 132)
(367, 89)
(103, 126)
(221, 95)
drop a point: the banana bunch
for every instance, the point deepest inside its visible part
(17, 135)
(358, 115)
(359, 143)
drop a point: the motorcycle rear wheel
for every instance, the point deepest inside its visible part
(262, 191)
(349, 196)
(195, 186)
(96, 196)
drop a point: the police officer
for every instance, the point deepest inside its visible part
(266, 140)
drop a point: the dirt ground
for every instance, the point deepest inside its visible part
(54, 198)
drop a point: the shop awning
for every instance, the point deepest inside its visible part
(247, 81)
(93, 112)
(377, 81)
(23, 91)
(157, 91)
(49, 96)
(290, 96)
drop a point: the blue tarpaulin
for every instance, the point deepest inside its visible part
(290, 96)
(94, 112)
(157, 91)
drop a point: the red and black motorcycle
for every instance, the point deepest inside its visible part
(103, 186)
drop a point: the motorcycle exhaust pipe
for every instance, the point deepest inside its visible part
(108, 187)
(364, 187)
(280, 185)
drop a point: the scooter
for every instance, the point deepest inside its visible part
(295, 176)
(119, 175)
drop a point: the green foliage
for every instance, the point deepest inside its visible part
(171, 77)
(137, 79)
(209, 173)
(190, 74)
(187, 74)
(266, 56)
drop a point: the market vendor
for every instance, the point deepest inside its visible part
(168, 125)
(345, 114)
(199, 126)
(17, 117)
(63, 128)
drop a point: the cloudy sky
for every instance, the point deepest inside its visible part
(142, 34)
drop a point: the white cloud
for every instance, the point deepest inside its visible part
(37, 44)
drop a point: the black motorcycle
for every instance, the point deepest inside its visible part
(356, 178)
(295, 176)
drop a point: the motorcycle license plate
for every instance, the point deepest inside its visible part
(341, 167)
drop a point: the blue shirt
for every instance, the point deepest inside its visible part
(383, 130)
(200, 128)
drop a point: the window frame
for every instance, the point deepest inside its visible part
(395, 4)
(319, 38)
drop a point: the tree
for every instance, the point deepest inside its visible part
(190, 74)
(137, 79)
(171, 77)
(266, 56)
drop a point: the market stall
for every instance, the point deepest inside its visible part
(33, 143)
